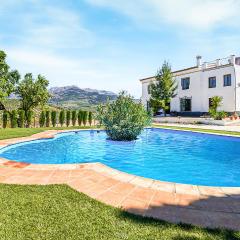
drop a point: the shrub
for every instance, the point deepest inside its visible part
(74, 117)
(13, 119)
(62, 117)
(220, 115)
(124, 119)
(85, 117)
(5, 119)
(42, 119)
(80, 115)
(90, 118)
(54, 118)
(68, 118)
(29, 116)
(21, 118)
(47, 119)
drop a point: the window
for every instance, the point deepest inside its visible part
(212, 82)
(227, 80)
(185, 82)
(186, 104)
(149, 89)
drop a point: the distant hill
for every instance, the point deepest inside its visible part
(75, 98)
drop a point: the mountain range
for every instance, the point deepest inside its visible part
(79, 98)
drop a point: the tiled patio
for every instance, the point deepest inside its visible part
(198, 205)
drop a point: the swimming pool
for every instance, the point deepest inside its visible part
(166, 155)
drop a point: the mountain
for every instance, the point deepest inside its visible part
(75, 98)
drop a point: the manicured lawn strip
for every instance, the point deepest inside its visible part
(198, 130)
(24, 132)
(59, 212)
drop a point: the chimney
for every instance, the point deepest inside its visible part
(199, 60)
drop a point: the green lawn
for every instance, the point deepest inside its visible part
(24, 132)
(198, 130)
(59, 212)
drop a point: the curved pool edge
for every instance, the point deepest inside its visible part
(172, 187)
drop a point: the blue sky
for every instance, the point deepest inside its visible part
(111, 44)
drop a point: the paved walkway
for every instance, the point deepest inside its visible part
(198, 205)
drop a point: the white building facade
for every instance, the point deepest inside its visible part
(198, 84)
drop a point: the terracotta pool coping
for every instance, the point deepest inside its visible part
(173, 202)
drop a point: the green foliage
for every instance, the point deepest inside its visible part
(80, 117)
(29, 116)
(85, 117)
(47, 118)
(32, 92)
(5, 119)
(123, 119)
(216, 102)
(8, 79)
(163, 89)
(68, 117)
(21, 118)
(13, 119)
(74, 117)
(54, 118)
(90, 118)
(42, 119)
(62, 117)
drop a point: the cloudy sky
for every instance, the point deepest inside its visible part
(111, 44)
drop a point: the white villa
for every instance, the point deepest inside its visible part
(196, 86)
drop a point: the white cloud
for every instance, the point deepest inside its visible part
(202, 14)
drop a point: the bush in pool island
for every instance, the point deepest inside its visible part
(123, 119)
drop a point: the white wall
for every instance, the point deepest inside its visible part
(237, 72)
(199, 90)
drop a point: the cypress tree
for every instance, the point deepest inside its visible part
(68, 117)
(42, 119)
(90, 118)
(5, 119)
(62, 117)
(85, 118)
(54, 118)
(21, 118)
(13, 119)
(79, 118)
(29, 116)
(47, 119)
(74, 117)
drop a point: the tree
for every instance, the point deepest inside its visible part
(62, 117)
(42, 119)
(13, 119)
(29, 116)
(5, 119)
(163, 89)
(124, 119)
(8, 79)
(68, 117)
(21, 118)
(80, 115)
(74, 117)
(54, 118)
(85, 117)
(47, 118)
(90, 118)
(215, 103)
(32, 92)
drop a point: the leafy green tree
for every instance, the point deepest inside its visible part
(8, 78)
(123, 119)
(68, 117)
(85, 118)
(29, 116)
(42, 119)
(163, 89)
(13, 119)
(5, 118)
(54, 118)
(80, 117)
(47, 118)
(21, 118)
(90, 118)
(74, 117)
(32, 92)
(62, 117)
(215, 103)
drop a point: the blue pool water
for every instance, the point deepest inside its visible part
(166, 155)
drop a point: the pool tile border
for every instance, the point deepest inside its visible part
(174, 202)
